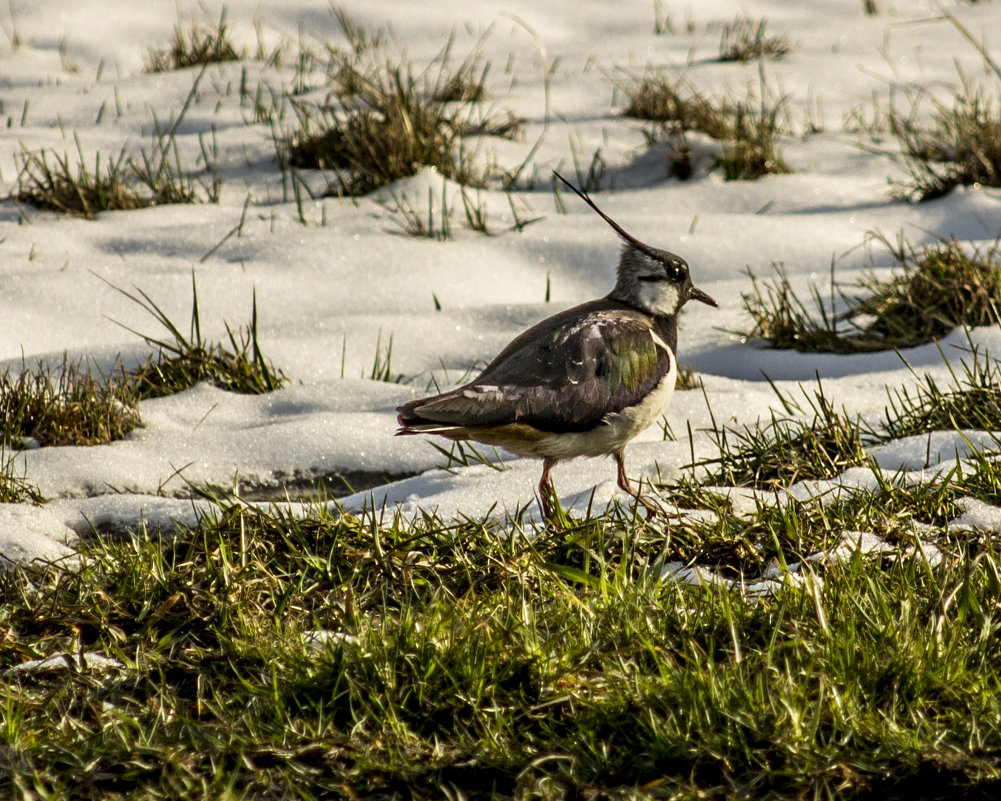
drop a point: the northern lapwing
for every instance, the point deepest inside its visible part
(583, 382)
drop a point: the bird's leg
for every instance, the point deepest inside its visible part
(651, 506)
(547, 492)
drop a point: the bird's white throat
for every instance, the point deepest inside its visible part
(658, 298)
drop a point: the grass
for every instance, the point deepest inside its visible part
(789, 449)
(14, 488)
(68, 405)
(383, 121)
(958, 143)
(938, 287)
(434, 220)
(464, 659)
(193, 46)
(747, 40)
(73, 405)
(972, 400)
(184, 359)
(55, 183)
(748, 128)
(962, 147)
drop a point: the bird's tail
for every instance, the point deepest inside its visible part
(417, 425)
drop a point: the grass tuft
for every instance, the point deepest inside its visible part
(193, 46)
(382, 122)
(68, 405)
(54, 183)
(748, 129)
(939, 287)
(971, 401)
(751, 150)
(183, 360)
(787, 450)
(57, 185)
(746, 40)
(961, 148)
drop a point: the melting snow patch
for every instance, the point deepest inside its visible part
(977, 516)
(31, 533)
(942, 449)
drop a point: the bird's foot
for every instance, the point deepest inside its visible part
(652, 506)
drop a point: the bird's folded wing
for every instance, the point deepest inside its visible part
(566, 379)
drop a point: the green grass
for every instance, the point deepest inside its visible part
(184, 359)
(937, 288)
(65, 405)
(971, 400)
(789, 449)
(465, 659)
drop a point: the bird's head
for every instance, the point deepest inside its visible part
(652, 280)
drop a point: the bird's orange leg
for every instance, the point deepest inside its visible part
(651, 506)
(546, 489)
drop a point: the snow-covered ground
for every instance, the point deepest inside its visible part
(71, 75)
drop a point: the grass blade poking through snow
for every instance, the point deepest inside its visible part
(14, 488)
(182, 360)
(939, 287)
(198, 44)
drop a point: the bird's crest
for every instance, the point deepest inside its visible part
(628, 237)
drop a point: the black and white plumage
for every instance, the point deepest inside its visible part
(583, 382)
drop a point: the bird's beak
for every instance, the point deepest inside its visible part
(697, 294)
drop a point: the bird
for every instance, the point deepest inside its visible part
(583, 382)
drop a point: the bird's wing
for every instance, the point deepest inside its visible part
(563, 377)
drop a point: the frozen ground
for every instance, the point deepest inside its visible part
(328, 289)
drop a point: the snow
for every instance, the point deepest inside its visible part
(330, 290)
